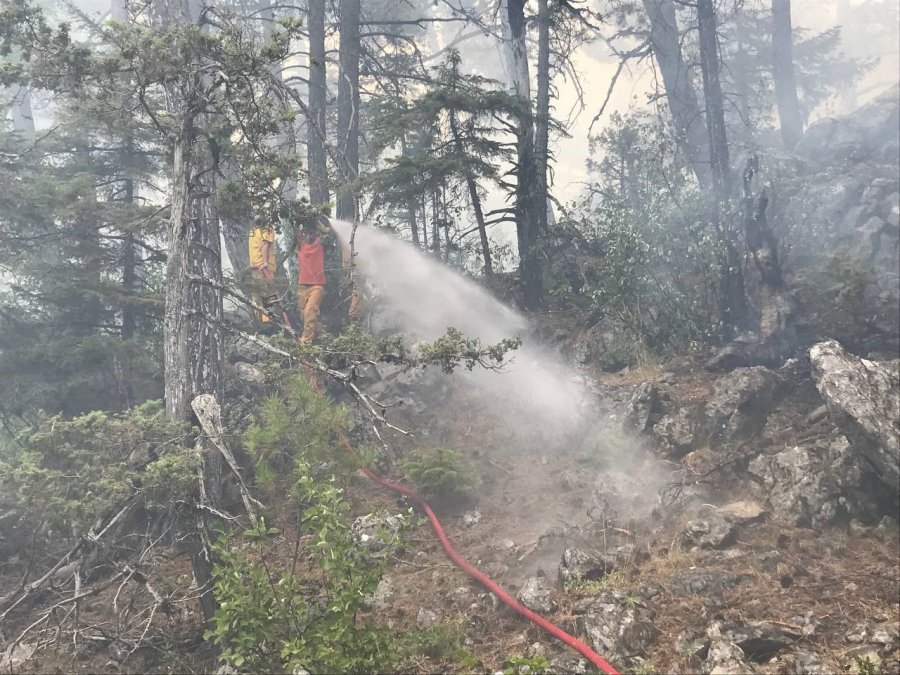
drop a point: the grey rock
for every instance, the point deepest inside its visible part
(385, 593)
(569, 664)
(809, 663)
(675, 433)
(617, 625)
(702, 582)
(713, 531)
(471, 518)
(377, 533)
(863, 399)
(536, 650)
(760, 640)
(743, 511)
(572, 480)
(418, 391)
(16, 655)
(724, 657)
(426, 618)
(536, 595)
(886, 635)
(812, 486)
(644, 408)
(577, 565)
(741, 402)
(248, 373)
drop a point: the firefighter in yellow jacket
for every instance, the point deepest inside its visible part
(261, 245)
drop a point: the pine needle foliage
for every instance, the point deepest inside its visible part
(442, 473)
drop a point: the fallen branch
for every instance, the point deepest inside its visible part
(209, 414)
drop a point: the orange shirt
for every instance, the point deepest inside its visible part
(311, 261)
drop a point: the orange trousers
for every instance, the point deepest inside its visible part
(309, 298)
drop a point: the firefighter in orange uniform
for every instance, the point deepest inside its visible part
(310, 280)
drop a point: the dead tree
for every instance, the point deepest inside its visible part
(318, 93)
(348, 108)
(690, 127)
(783, 73)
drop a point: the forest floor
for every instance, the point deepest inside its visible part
(807, 601)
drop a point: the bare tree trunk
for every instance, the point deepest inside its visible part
(435, 225)
(687, 117)
(712, 95)
(21, 113)
(527, 220)
(783, 74)
(318, 93)
(129, 272)
(192, 334)
(732, 296)
(348, 108)
(541, 194)
(475, 199)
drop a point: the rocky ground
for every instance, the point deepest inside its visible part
(714, 523)
(727, 523)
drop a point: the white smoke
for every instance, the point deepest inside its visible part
(421, 298)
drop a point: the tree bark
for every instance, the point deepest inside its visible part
(475, 199)
(690, 129)
(21, 113)
(129, 270)
(192, 333)
(783, 73)
(712, 95)
(348, 108)
(541, 193)
(318, 93)
(527, 220)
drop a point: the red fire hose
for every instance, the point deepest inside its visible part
(472, 571)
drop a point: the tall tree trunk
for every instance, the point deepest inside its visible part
(129, 270)
(783, 74)
(687, 117)
(192, 333)
(348, 108)
(527, 220)
(732, 296)
(21, 113)
(541, 194)
(318, 93)
(474, 198)
(435, 225)
(712, 96)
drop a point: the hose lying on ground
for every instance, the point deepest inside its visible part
(471, 570)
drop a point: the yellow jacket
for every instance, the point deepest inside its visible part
(262, 249)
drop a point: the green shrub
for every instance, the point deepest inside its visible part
(275, 621)
(68, 472)
(296, 425)
(521, 665)
(442, 473)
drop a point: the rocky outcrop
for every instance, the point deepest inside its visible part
(863, 399)
(741, 402)
(675, 432)
(812, 486)
(377, 533)
(617, 625)
(537, 595)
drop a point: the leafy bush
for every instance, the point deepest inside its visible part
(442, 473)
(276, 621)
(295, 426)
(67, 473)
(521, 665)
